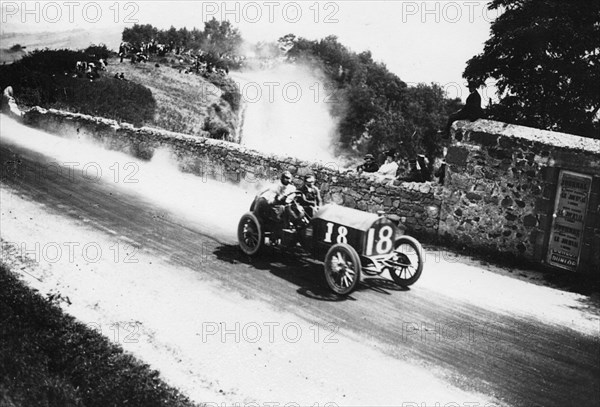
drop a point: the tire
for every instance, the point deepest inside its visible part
(342, 268)
(406, 263)
(251, 237)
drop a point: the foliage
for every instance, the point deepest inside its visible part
(218, 37)
(51, 61)
(215, 129)
(377, 110)
(46, 78)
(49, 359)
(230, 92)
(98, 51)
(139, 33)
(221, 38)
(545, 58)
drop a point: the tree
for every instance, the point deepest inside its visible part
(221, 38)
(545, 58)
(139, 33)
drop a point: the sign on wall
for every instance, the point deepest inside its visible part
(566, 235)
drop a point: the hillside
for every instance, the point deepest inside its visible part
(155, 93)
(183, 101)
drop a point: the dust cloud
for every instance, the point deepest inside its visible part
(212, 205)
(287, 112)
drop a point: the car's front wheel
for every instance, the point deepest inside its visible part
(342, 268)
(406, 262)
(251, 236)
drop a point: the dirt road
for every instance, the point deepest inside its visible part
(459, 335)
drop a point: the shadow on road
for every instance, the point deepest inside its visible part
(299, 269)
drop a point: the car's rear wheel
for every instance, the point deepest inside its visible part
(406, 261)
(250, 234)
(342, 268)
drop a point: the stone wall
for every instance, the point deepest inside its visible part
(501, 180)
(501, 183)
(416, 204)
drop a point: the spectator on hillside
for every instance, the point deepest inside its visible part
(471, 111)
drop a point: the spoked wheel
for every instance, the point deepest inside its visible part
(406, 262)
(250, 234)
(342, 268)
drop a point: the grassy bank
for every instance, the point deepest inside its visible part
(184, 102)
(49, 359)
(155, 93)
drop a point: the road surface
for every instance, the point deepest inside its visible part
(453, 323)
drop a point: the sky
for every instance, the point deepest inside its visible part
(420, 41)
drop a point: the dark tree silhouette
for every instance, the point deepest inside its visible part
(545, 58)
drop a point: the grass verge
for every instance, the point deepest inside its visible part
(47, 358)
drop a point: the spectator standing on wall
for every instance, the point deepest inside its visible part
(471, 111)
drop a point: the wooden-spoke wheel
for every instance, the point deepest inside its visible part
(250, 234)
(406, 262)
(342, 268)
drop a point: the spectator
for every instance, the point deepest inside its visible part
(389, 167)
(471, 111)
(423, 168)
(9, 105)
(369, 165)
(419, 170)
(441, 172)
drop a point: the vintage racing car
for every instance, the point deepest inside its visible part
(348, 241)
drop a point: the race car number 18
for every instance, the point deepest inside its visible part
(382, 244)
(342, 233)
(379, 239)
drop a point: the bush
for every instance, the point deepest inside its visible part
(51, 61)
(45, 78)
(98, 51)
(216, 130)
(231, 93)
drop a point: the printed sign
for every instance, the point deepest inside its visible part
(566, 235)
